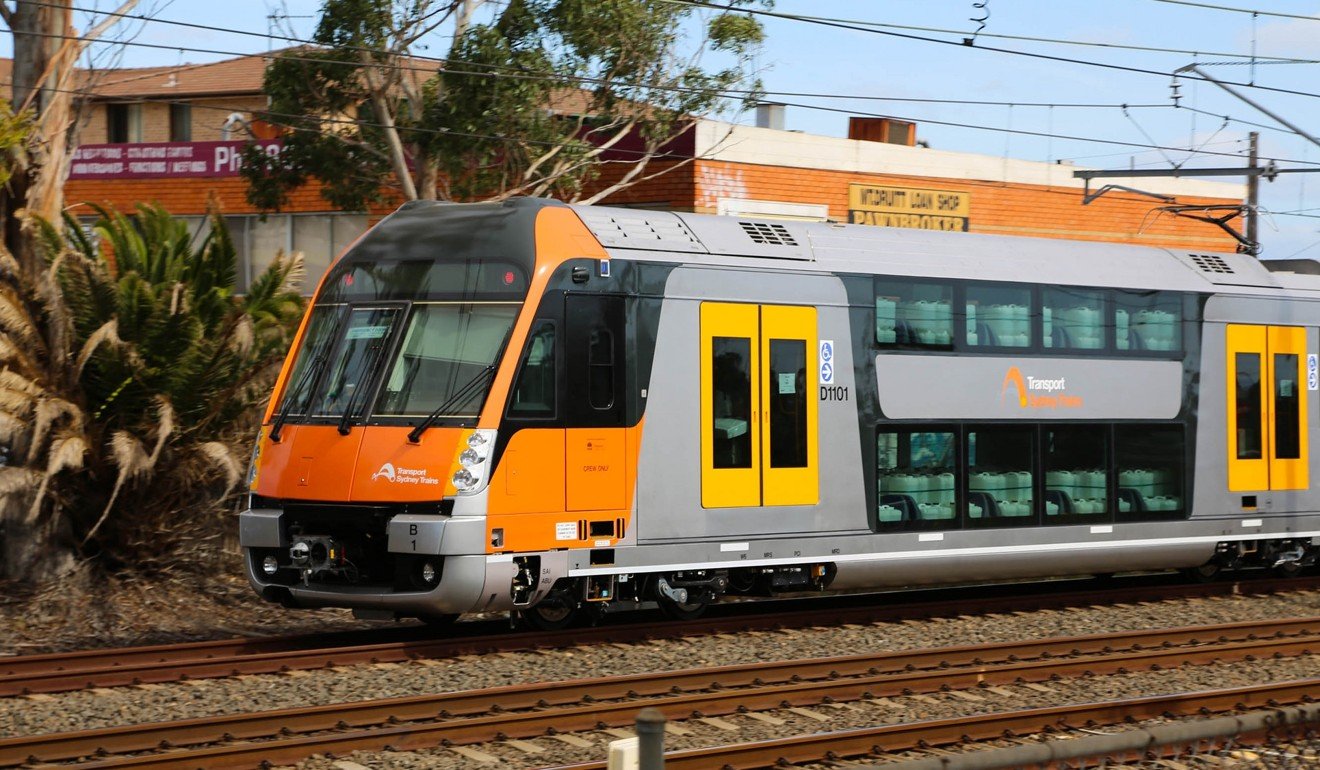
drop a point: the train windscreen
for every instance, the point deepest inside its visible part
(401, 340)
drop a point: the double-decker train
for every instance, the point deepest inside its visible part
(545, 408)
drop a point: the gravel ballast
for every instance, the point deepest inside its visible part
(134, 705)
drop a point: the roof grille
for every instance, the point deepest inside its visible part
(768, 234)
(1209, 263)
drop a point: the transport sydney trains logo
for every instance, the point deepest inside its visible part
(1038, 392)
(403, 475)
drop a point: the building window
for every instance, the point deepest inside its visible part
(181, 122)
(123, 123)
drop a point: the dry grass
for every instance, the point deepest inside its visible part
(82, 611)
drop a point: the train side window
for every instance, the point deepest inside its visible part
(913, 314)
(534, 394)
(731, 392)
(1074, 319)
(999, 316)
(1248, 397)
(600, 368)
(1076, 474)
(917, 481)
(1000, 481)
(1148, 321)
(1287, 420)
(1150, 464)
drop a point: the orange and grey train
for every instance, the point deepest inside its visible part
(545, 408)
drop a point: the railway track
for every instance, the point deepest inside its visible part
(62, 672)
(852, 744)
(524, 711)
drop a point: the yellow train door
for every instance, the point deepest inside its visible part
(1267, 415)
(759, 443)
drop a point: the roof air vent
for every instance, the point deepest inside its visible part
(1209, 263)
(768, 234)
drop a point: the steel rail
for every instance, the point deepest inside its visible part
(722, 690)
(846, 744)
(62, 672)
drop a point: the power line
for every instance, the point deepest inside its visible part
(827, 22)
(1253, 12)
(729, 93)
(518, 72)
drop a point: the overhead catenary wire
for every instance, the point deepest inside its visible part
(828, 22)
(1252, 11)
(733, 93)
(839, 23)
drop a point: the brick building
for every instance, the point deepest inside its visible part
(172, 135)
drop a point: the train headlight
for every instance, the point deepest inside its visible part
(270, 565)
(428, 573)
(474, 462)
(464, 480)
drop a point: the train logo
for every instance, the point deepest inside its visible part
(1014, 378)
(386, 472)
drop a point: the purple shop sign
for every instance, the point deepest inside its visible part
(162, 159)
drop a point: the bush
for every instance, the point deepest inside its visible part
(131, 383)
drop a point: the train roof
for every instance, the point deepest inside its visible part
(837, 247)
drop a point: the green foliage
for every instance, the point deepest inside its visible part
(529, 102)
(14, 131)
(131, 378)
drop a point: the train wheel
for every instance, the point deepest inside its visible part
(682, 610)
(1288, 569)
(1205, 573)
(550, 614)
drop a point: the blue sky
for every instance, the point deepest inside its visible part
(803, 57)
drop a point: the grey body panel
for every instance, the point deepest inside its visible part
(668, 484)
(977, 388)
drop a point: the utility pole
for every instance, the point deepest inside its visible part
(1253, 188)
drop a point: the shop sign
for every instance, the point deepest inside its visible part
(913, 207)
(156, 160)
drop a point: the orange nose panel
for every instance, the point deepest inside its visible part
(310, 462)
(390, 469)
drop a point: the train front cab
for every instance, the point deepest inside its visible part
(397, 425)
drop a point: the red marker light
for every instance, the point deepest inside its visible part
(508, 278)
(348, 279)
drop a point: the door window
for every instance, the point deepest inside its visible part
(731, 405)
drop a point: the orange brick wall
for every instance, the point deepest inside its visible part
(189, 196)
(996, 207)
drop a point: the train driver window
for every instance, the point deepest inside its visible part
(916, 479)
(1150, 463)
(534, 394)
(1076, 474)
(913, 314)
(1000, 483)
(998, 316)
(1074, 319)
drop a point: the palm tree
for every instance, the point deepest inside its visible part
(131, 375)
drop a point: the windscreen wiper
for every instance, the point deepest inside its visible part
(461, 395)
(368, 377)
(286, 409)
